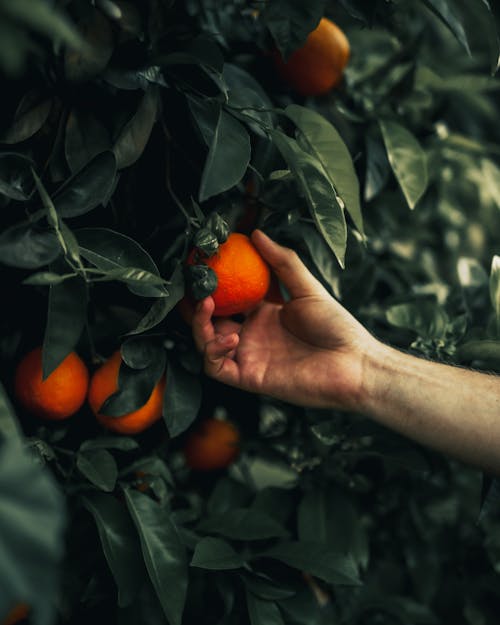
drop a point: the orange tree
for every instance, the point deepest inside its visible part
(132, 131)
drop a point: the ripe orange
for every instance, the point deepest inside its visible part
(318, 66)
(242, 275)
(213, 445)
(104, 383)
(17, 614)
(57, 397)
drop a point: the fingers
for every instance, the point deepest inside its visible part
(288, 267)
(218, 348)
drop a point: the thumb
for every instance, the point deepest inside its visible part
(287, 266)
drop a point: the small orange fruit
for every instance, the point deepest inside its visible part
(318, 66)
(242, 275)
(213, 445)
(57, 397)
(17, 614)
(104, 383)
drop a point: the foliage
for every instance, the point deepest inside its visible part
(126, 126)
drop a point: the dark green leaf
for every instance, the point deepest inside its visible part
(182, 398)
(85, 138)
(109, 250)
(318, 191)
(442, 9)
(26, 247)
(312, 557)
(134, 136)
(227, 159)
(47, 278)
(110, 442)
(99, 467)
(206, 115)
(31, 115)
(243, 524)
(88, 188)
(134, 387)
(266, 588)
(16, 181)
(31, 525)
(290, 21)
(119, 542)
(140, 352)
(261, 611)
(320, 139)
(407, 159)
(163, 552)
(425, 318)
(377, 168)
(66, 316)
(216, 554)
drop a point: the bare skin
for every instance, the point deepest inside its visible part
(312, 352)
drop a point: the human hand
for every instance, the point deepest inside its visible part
(309, 351)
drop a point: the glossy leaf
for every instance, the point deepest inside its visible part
(31, 115)
(407, 159)
(291, 21)
(227, 158)
(66, 316)
(163, 553)
(331, 566)
(99, 467)
(378, 168)
(262, 611)
(425, 318)
(111, 251)
(216, 554)
(88, 188)
(16, 181)
(32, 529)
(85, 137)
(442, 9)
(135, 134)
(318, 191)
(27, 247)
(321, 139)
(495, 288)
(119, 542)
(182, 400)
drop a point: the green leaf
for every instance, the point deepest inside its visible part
(264, 588)
(318, 191)
(291, 21)
(123, 443)
(16, 181)
(66, 317)
(407, 159)
(321, 139)
(216, 554)
(88, 188)
(32, 530)
(261, 611)
(227, 158)
(134, 136)
(9, 425)
(312, 557)
(45, 19)
(47, 278)
(134, 386)
(425, 318)
(487, 351)
(111, 251)
(27, 247)
(163, 552)
(139, 352)
(99, 467)
(31, 114)
(182, 398)
(442, 9)
(377, 167)
(119, 542)
(85, 138)
(243, 524)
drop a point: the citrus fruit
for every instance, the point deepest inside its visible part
(213, 445)
(242, 275)
(318, 66)
(104, 383)
(58, 396)
(16, 615)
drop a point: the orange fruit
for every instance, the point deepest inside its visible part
(242, 275)
(57, 397)
(104, 383)
(318, 66)
(213, 445)
(17, 614)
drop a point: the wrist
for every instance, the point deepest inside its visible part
(380, 364)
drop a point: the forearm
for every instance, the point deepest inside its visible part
(455, 411)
